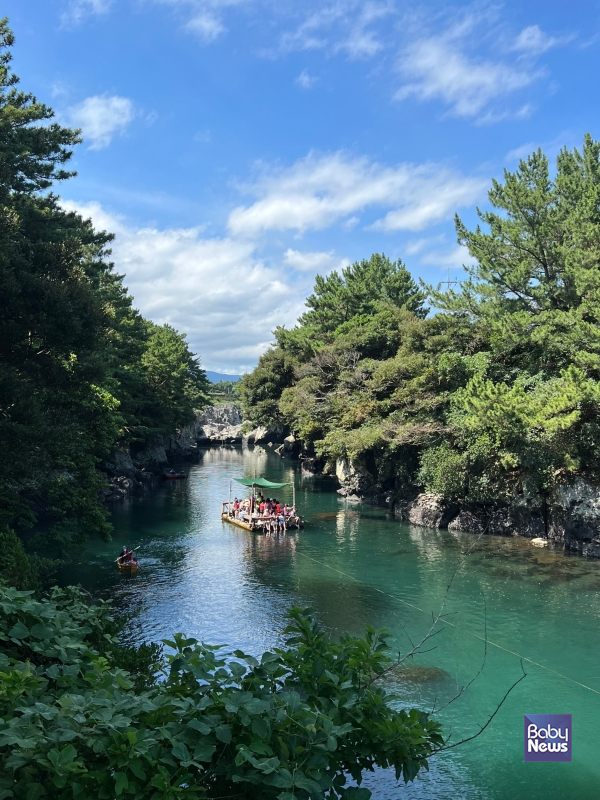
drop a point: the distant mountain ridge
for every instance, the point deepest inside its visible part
(215, 377)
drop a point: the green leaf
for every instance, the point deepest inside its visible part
(34, 792)
(180, 751)
(282, 779)
(135, 765)
(310, 786)
(19, 631)
(204, 752)
(318, 668)
(67, 755)
(260, 727)
(223, 733)
(256, 706)
(41, 631)
(197, 725)
(121, 782)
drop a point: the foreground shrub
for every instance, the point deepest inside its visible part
(297, 723)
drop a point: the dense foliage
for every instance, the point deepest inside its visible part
(300, 722)
(80, 369)
(496, 394)
(228, 389)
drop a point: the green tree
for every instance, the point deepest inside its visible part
(360, 290)
(535, 286)
(261, 389)
(176, 385)
(80, 370)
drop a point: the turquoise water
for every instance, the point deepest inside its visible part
(355, 566)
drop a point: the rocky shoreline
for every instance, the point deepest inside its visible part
(136, 473)
(568, 517)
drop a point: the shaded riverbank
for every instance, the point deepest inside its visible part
(355, 565)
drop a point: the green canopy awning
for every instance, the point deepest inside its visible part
(262, 483)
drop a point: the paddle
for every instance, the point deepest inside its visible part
(133, 551)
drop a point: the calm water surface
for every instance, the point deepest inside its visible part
(355, 566)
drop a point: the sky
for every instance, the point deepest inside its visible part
(237, 148)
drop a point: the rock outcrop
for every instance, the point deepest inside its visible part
(311, 465)
(574, 518)
(569, 517)
(135, 473)
(218, 425)
(427, 510)
(275, 434)
(514, 520)
(357, 484)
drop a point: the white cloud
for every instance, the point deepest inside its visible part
(305, 81)
(434, 251)
(214, 289)
(448, 259)
(361, 42)
(318, 191)
(339, 26)
(532, 41)
(204, 17)
(206, 26)
(77, 10)
(521, 152)
(101, 117)
(315, 262)
(438, 67)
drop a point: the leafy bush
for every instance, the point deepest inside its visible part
(295, 724)
(443, 471)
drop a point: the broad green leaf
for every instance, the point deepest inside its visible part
(200, 726)
(135, 765)
(223, 733)
(204, 752)
(19, 631)
(121, 782)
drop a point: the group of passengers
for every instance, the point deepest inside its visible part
(273, 514)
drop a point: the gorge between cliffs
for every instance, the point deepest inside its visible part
(568, 518)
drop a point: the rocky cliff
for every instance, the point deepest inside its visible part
(274, 434)
(135, 473)
(220, 424)
(568, 517)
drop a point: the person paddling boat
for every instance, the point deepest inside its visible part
(127, 562)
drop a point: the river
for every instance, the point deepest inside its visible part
(355, 566)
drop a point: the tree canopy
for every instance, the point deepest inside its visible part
(80, 370)
(494, 394)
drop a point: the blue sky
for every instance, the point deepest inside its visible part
(238, 147)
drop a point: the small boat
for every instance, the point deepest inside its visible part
(174, 476)
(127, 566)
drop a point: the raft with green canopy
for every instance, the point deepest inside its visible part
(261, 483)
(255, 522)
